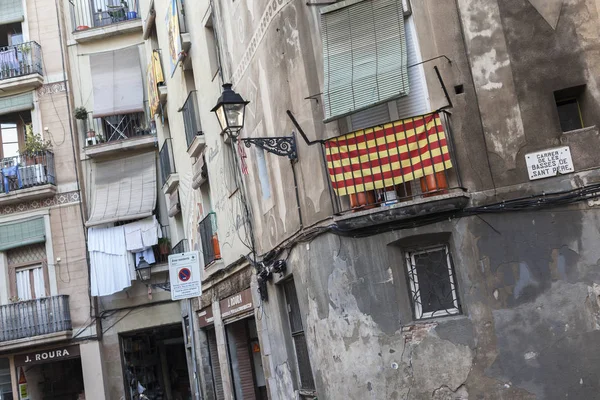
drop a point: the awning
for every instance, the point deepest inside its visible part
(117, 82)
(19, 102)
(11, 11)
(124, 189)
(22, 233)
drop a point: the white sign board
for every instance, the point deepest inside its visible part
(548, 163)
(184, 274)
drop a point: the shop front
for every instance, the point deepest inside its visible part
(155, 365)
(243, 348)
(48, 374)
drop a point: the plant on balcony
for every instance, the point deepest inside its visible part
(81, 114)
(35, 147)
(27, 63)
(14, 299)
(164, 246)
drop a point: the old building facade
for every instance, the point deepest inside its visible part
(408, 211)
(48, 336)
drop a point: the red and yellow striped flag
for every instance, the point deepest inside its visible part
(387, 155)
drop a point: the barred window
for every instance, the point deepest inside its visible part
(432, 282)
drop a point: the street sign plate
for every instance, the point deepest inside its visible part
(184, 274)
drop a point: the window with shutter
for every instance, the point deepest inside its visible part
(364, 55)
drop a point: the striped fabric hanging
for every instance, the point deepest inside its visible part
(387, 155)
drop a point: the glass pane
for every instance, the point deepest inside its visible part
(434, 283)
(569, 116)
(9, 133)
(10, 149)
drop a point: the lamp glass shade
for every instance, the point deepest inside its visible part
(230, 111)
(143, 270)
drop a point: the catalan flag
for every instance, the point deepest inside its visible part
(387, 155)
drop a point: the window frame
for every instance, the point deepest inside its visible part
(30, 267)
(413, 283)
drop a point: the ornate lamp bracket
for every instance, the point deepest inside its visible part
(278, 145)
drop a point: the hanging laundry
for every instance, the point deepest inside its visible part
(111, 265)
(143, 234)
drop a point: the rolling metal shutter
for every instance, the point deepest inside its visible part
(364, 55)
(239, 331)
(215, 365)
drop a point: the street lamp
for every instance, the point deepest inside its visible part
(143, 270)
(230, 111)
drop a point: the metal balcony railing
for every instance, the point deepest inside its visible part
(391, 163)
(181, 247)
(20, 60)
(30, 318)
(167, 164)
(98, 13)
(209, 238)
(191, 118)
(114, 128)
(25, 171)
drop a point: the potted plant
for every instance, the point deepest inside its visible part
(164, 246)
(35, 147)
(81, 114)
(27, 63)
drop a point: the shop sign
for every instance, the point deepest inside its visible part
(205, 317)
(548, 163)
(236, 304)
(46, 356)
(184, 274)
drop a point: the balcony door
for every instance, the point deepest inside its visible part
(30, 282)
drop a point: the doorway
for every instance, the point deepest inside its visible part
(155, 364)
(246, 360)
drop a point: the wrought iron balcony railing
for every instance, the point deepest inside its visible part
(391, 163)
(26, 319)
(181, 247)
(191, 118)
(20, 60)
(167, 164)
(114, 128)
(209, 238)
(99, 13)
(27, 171)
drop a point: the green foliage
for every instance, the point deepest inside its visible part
(34, 144)
(81, 113)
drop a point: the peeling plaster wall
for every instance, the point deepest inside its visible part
(528, 285)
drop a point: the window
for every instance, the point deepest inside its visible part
(212, 43)
(298, 337)
(10, 139)
(30, 282)
(569, 104)
(364, 55)
(432, 282)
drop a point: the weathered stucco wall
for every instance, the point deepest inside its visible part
(528, 288)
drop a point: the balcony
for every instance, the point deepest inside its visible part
(170, 178)
(398, 171)
(30, 322)
(193, 128)
(163, 250)
(103, 18)
(107, 136)
(21, 67)
(27, 177)
(210, 240)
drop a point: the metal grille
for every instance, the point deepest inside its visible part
(34, 317)
(297, 330)
(432, 282)
(20, 60)
(180, 247)
(27, 254)
(167, 165)
(115, 127)
(85, 15)
(210, 241)
(27, 170)
(191, 118)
